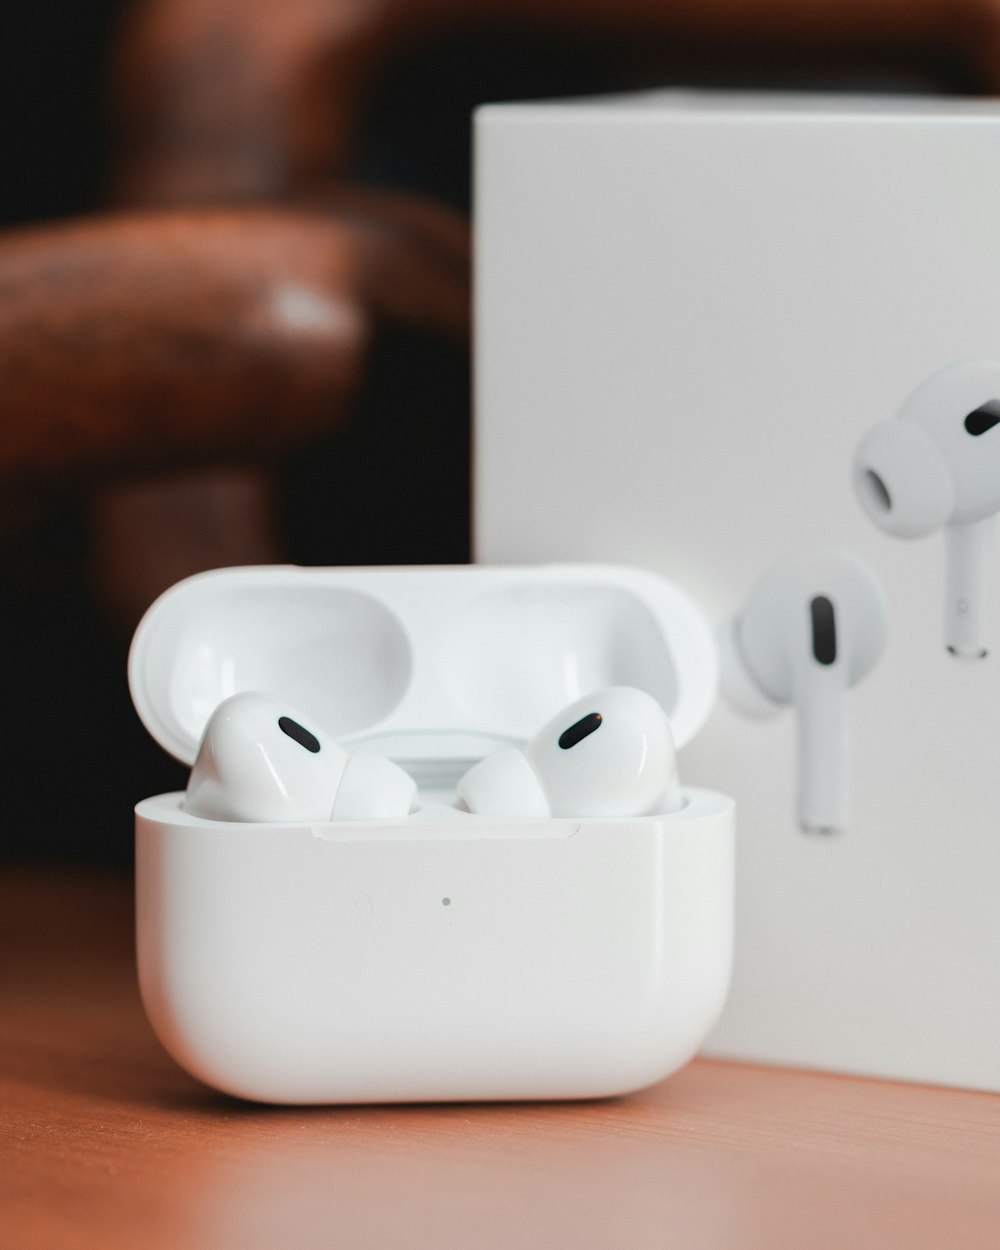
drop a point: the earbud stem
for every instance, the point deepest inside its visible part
(823, 772)
(968, 578)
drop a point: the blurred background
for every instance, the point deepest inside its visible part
(126, 126)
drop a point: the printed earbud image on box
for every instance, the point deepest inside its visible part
(937, 466)
(385, 882)
(813, 627)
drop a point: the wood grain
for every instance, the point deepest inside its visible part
(105, 1143)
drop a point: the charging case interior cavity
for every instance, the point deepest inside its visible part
(445, 955)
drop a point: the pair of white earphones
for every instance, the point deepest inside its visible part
(816, 625)
(609, 754)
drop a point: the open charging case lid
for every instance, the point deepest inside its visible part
(435, 667)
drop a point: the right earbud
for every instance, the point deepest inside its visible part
(810, 629)
(260, 761)
(610, 753)
(937, 465)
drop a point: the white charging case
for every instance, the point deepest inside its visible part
(445, 955)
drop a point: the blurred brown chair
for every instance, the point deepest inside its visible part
(165, 356)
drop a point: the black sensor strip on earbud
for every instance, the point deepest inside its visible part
(983, 418)
(824, 630)
(298, 733)
(583, 728)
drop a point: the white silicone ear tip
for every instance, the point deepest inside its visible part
(901, 479)
(503, 784)
(373, 788)
(737, 684)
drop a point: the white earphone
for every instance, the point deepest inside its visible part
(610, 753)
(937, 465)
(810, 629)
(260, 762)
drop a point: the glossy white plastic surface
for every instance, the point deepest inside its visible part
(425, 665)
(444, 955)
(258, 762)
(610, 753)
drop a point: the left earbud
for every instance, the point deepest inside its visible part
(811, 628)
(608, 754)
(260, 762)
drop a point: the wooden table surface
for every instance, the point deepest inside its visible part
(105, 1143)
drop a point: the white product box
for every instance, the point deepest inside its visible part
(442, 955)
(690, 310)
